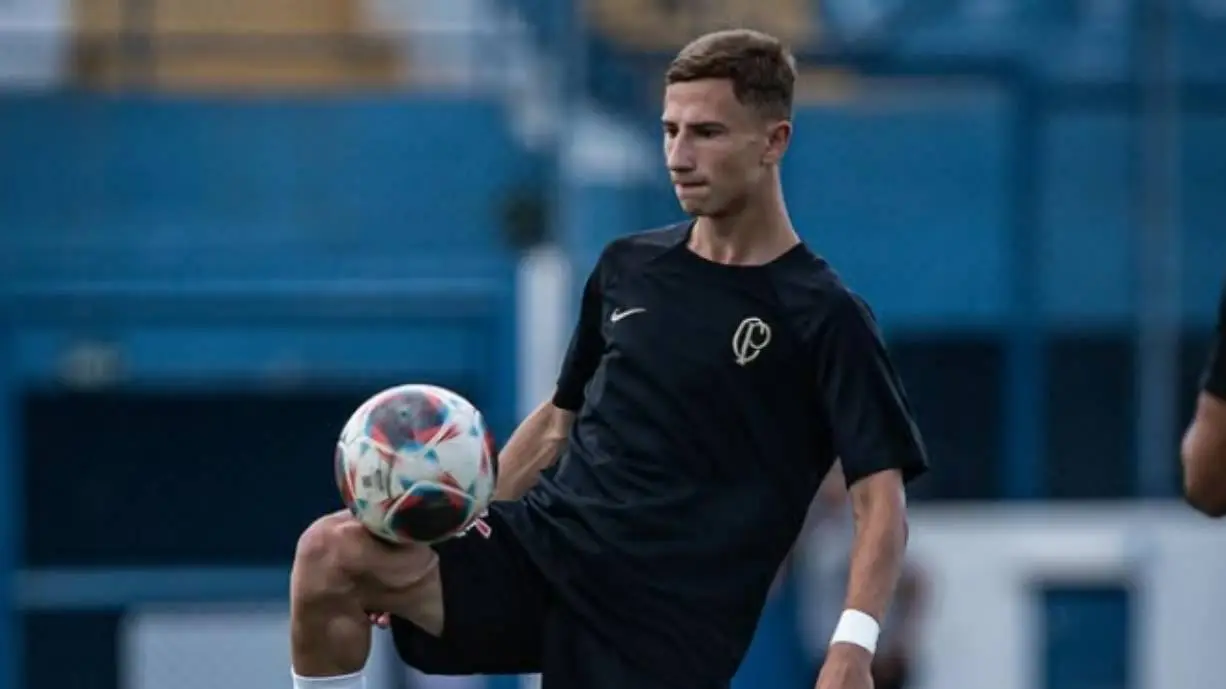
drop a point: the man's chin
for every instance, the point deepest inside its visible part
(694, 209)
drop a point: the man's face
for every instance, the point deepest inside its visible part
(717, 149)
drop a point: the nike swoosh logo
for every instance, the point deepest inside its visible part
(618, 314)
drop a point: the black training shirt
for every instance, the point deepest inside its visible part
(711, 400)
(1214, 379)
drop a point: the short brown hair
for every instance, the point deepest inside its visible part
(761, 69)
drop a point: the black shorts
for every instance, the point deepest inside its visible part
(500, 618)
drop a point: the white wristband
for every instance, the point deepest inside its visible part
(857, 628)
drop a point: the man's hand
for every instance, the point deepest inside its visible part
(847, 666)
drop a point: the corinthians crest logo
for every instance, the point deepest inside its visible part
(750, 338)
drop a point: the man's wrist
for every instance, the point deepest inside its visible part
(849, 653)
(857, 628)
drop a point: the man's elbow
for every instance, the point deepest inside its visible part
(1205, 496)
(1203, 488)
(1203, 455)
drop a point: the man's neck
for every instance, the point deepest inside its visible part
(756, 235)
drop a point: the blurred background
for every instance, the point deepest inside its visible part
(224, 223)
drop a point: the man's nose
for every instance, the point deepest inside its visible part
(679, 156)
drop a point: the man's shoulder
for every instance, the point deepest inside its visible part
(644, 245)
(810, 275)
(814, 293)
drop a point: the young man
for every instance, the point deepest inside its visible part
(717, 369)
(1204, 444)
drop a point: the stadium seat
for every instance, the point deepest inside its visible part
(248, 45)
(666, 25)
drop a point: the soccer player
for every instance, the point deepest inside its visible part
(717, 369)
(1204, 444)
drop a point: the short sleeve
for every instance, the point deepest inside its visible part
(585, 349)
(862, 397)
(1214, 379)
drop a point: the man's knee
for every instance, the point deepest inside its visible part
(328, 557)
(338, 560)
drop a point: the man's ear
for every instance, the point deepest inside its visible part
(778, 137)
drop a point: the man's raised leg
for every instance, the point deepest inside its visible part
(340, 572)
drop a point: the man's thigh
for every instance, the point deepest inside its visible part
(494, 605)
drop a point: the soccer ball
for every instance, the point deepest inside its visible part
(416, 464)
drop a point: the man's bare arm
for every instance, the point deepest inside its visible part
(534, 446)
(879, 505)
(1204, 457)
(877, 554)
